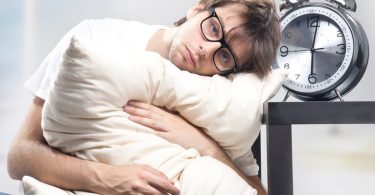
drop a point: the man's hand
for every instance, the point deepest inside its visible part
(176, 129)
(170, 126)
(30, 155)
(133, 179)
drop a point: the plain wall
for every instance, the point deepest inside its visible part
(29, 29)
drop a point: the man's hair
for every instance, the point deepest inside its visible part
(260, 26)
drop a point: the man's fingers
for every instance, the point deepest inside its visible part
(145, 189)
(156, 172)
(168, 190)
(163, 185)
(162, 133)
(150, 123)
(139, 111)
(160, 181)
(144, 121)
(146, 106)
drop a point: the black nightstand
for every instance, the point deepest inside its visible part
(279, 118)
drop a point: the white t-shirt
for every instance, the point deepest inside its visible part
(129, 32)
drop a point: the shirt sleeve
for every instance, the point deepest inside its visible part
(41, 82)
(248, 164)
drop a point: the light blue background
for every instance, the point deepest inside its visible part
(328, 159)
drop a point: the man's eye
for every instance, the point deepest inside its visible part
(214, 29)
(225, 58)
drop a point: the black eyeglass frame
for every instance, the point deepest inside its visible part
(221, 41)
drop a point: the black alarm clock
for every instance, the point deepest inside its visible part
(325, 49)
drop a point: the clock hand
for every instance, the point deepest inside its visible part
(299, 50)
(312, 62)
(316, 30)
(313, 49)
(320, 48)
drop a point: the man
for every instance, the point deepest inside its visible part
(242, 46)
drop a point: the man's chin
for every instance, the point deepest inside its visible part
(182, 67)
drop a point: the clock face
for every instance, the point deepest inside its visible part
(317, 48)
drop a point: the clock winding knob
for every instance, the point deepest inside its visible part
(346, 4)
(286, 4)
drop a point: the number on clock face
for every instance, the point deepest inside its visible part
(316, 47)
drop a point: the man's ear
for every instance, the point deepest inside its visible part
(198, 7)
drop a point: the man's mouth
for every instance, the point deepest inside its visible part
(189, 57)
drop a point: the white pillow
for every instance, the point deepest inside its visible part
(84, 110)
(31, 186)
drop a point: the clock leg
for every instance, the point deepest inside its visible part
(286, 96)
(339, 95)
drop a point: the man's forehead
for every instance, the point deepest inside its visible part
(229, 15)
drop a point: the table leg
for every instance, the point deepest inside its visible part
(279, 160)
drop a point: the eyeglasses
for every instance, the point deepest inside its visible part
(212, 31)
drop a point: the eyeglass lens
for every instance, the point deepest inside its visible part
(213, 31)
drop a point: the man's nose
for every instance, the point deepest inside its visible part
(208, 48)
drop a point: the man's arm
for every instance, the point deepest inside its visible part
(30, 155)
(177, 130)
(211, 148)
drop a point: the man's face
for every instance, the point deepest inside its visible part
(192, 52)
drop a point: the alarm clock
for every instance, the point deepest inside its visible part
(325, 49)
